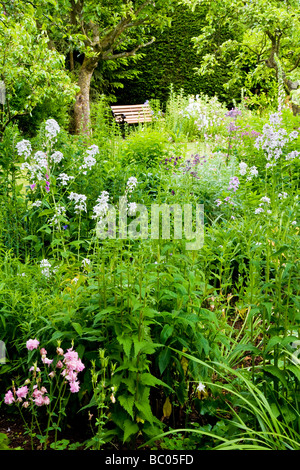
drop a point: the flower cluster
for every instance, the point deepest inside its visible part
(46, 268)
(24, 148)
(234, 184)
(71, 365)
(245, 170)
(63, 178)
(59, 211)
(273, 140)
(233, 113)
(52, 129)
(89, 161)
(68, 364)
(80, 201)
(131, 184)
(173, 160)
(265, 200)
(102, 207)
(57, 157)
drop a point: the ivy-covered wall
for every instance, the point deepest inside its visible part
(171, 59)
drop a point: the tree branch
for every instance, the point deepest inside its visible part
(127, 53)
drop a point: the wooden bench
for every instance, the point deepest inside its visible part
(132, 114)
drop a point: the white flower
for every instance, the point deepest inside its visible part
(243, 168)
(292, 155)
(293, 135)
(45, 265)
(37, 204)
(131, 184)
(80, 201)
(294, 222)
(253, 171)
(41, 159)
(102, 207)
(89, 160)
(64, 178)
(93, 150)
(132, 207)
(60, 210)
(24, 148)
(57, 157)
(52, 129)
(201, 387)
(86, 262)
(257, 211)
(282, 195)
(266, 199)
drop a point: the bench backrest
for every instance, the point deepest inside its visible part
(132, 113)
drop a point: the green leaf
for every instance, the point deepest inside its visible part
(295, 370)
(77, 328)
(276, 372)
(164, 359)
(127, 402)
(129, 429)
(148, 379)
(166, 332)
(126, 342)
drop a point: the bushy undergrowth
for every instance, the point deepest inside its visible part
(168, 336)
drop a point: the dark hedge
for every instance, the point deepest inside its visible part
(171, 59)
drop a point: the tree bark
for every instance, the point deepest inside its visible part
(82, 104)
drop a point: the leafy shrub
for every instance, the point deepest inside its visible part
(147, 147)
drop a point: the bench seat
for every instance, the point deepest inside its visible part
(132, 114)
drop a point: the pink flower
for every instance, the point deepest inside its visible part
(43, 352)
(59, 365)
(9, 398)
(72, 376)
(32, 344)
(47, 361)
(36, 393)
(46, 400)
(39, 400)
(74, 387)
(25, 404)
(60, 351)
(72, 361)
(22, 392)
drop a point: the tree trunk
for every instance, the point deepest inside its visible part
(82, 104)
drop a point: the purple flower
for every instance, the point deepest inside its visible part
(233, 113)
(32, 186)
(65, 227)
(234, 183)
(232, 127)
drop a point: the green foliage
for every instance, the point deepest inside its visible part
(33, 74)
(147, 147)
(262, 29)
(167, 335)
